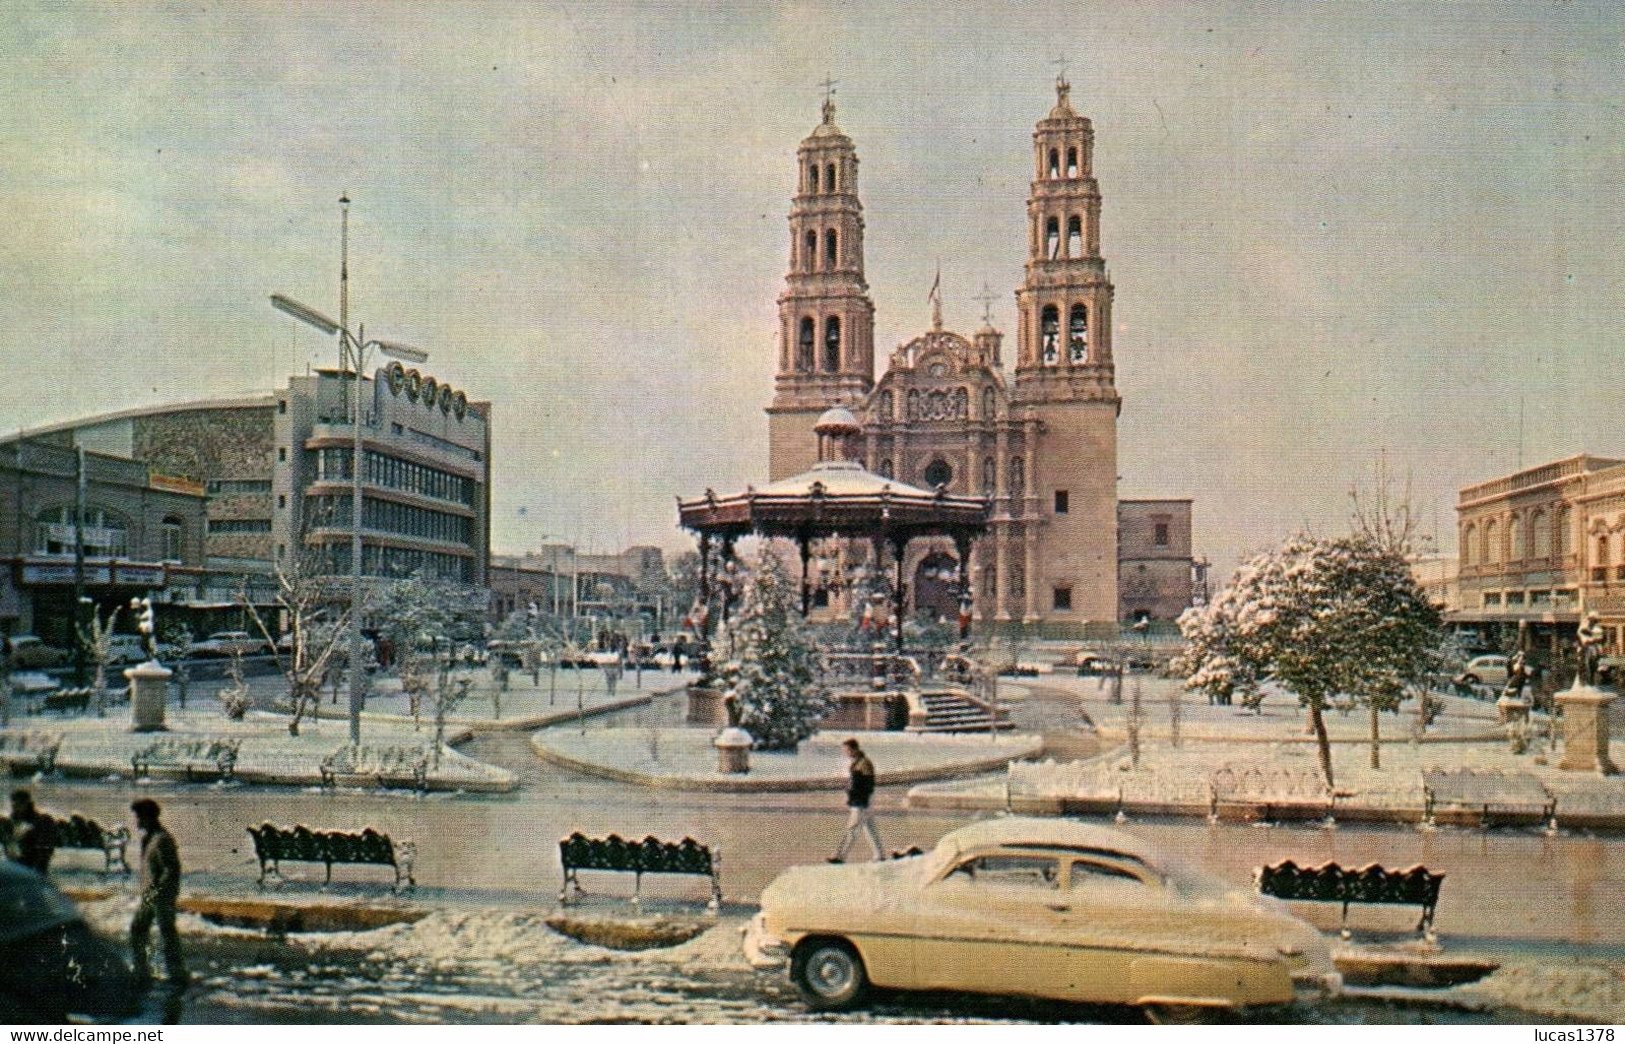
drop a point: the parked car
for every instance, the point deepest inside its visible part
(30, 651)
(1486, 670)
(228, 643)
(126, 648)
(1037, 907)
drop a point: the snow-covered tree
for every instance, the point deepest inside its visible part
(772, 677)
(1320, 618)
(98, 642)
(318, 627)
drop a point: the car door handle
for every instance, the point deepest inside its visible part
(1059, 907)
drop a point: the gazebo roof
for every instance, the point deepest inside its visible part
(835, 498)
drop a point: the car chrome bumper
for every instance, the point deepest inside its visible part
(762, 949)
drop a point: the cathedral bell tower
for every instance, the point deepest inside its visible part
(826, 319)
(1064, 388)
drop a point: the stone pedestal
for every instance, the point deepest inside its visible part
(1585, 729)
(148, 685)
(1512, 710)
(733, 751)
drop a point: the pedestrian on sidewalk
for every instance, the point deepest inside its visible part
(860, 788)
(160, 892)
(33, 833)
(612, 674)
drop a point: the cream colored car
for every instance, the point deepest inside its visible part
(1037, 907)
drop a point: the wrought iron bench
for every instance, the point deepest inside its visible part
(79, 831)
(1374, 884)
(275, 845)
(1278, 793)
(383, 765)
(191, 757)
(649, 856)
(1467, 798)
(29, 750)
(65, 700)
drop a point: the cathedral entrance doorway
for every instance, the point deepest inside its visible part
(936, 587)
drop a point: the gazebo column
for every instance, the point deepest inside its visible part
(899, 547)
(962, 546)
(727, 566)
(703, 639)
(805, 544)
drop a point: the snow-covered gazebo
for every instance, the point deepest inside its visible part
(839, 498)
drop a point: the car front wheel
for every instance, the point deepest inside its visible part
(829, 973)
(1471, 679)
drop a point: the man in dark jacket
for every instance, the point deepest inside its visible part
(33, 833)
(160, 891)
(860, 788)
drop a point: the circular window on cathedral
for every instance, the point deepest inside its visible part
(938, 473)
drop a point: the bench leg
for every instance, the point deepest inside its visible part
(637, 890)
(715, 905)
(329, 879)
(261, 881)
(1343, 929)
(1425, 925)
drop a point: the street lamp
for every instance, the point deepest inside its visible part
(353, 348)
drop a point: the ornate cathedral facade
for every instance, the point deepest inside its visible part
(1042, 446)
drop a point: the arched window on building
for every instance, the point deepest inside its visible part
(812, 177)
(1540, 534)
(990, 475)
(1074, 236)
(1565, 530)
(1052, 238)
(962, 405)
(1492, 549)
(1602, 559)
(809, 251)
(1072, 162)
(804, 344)
(174, 538)
(1049, 335)
(1054, 163)
(1469, 545)
(1017, 483)
(990, 404)
(913, 404)
(832, 344)
(829, 178)
(830, 244)
(885, 467)
(887, 404)
(1514, 539)
(1077, 334)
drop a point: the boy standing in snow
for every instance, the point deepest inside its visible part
(860, 788)
(160, 892)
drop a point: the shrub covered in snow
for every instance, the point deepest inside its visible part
(772, 677)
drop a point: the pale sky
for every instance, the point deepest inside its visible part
(1335, 229)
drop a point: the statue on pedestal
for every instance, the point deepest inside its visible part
(1588, 646)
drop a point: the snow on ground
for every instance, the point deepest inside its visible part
(1584, 992)
(685, 758)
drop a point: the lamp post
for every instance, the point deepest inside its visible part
(353, 348)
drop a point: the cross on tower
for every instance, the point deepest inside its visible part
(829, 87)
(987, 297)
(1060, 63)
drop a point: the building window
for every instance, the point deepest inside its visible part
(1049, 330)
(1063, 599)
(1054, 163)
(282, 502)
(1062, 502)
(804, 344)
(830, 244)
(829, 178)
(282, 405)
(1540, 533)
(1492, 549)
(1052, 238)
(1160, 534)
(174, 532)
(832, 344)
(938, 473)
(1074, 236)
(990, 404)
(1018, 477)
(106, 535)
(1077, 335)
(1515, 539)
(282, 454)
(1469, 538)
(281, 549)
(809, 251)
(990, 474)
(238, 526)
(1492, 599)
(238, 487)
(812, 177)
(1514, 598)
(885, 468)
(1072, 162)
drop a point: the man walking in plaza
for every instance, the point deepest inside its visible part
(860, 788)
(160, 891)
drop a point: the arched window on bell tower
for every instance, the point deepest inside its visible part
(1052, 238)
(1077, 336)
(1054, 163)
(1074, 236)
(1049, 331)
(804, 344)
(809, 251)
(830, 243)
(812, 177)
(832, 344)
(1072, 162)
(829, 178)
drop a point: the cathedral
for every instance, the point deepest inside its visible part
(1042, 446)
